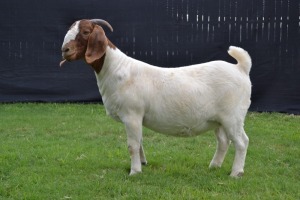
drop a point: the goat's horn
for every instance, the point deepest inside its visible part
(102, 22)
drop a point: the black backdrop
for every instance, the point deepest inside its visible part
(167, 33)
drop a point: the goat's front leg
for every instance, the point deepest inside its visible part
(134, 139)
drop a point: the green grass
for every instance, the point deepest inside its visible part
(74, 151)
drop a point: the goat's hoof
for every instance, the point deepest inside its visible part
(144, 163)
(237, 174)
(133, 172)
(215, 166)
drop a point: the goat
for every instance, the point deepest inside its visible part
(183, 101)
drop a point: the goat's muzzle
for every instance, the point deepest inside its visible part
(67, 53)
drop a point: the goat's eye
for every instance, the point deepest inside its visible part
(86, 32)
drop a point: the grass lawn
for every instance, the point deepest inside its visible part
(74, 151)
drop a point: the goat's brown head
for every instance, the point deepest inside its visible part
(85, 40)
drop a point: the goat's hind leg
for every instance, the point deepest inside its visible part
(240, 142)
(235, 132)
(222, 147)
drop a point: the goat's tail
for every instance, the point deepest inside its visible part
(242, 57)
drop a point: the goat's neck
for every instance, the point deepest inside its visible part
(114, 69)
(98, 64)
(114, 60)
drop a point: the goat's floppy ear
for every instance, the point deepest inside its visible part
(96, 46)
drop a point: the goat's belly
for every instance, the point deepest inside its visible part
(180, 129)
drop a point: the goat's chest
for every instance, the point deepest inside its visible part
(112, 106)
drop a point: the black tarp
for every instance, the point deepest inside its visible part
(167, 33)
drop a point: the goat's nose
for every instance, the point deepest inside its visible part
(65, 49)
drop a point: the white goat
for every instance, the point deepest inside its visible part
(184, 101)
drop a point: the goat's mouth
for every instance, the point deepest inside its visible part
(68, 57)
(65, 58)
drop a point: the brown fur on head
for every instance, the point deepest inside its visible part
(85, 40)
